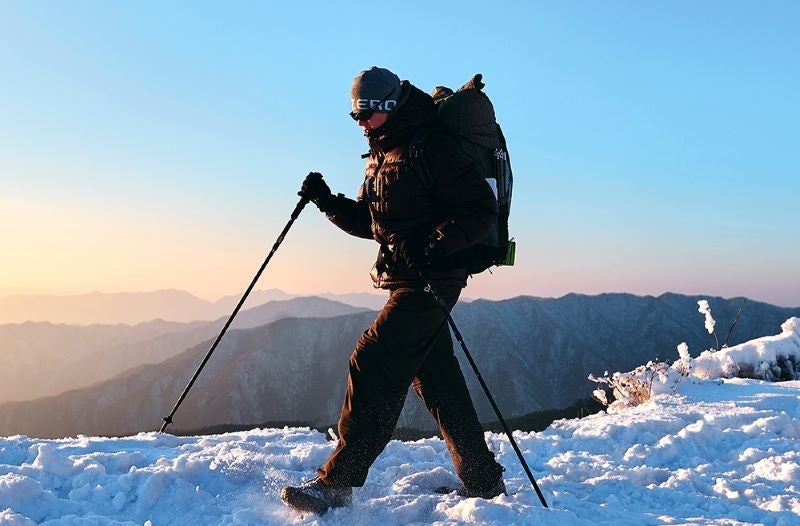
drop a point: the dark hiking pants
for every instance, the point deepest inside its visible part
(409, 342)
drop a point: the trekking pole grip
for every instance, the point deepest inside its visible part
(167, 420)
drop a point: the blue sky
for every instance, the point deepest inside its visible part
(150, 145)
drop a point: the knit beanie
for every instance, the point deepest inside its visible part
(376, 88)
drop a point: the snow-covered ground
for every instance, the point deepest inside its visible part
(718, 451)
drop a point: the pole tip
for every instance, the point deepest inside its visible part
(167, 421)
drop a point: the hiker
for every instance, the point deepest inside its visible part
(409, 342)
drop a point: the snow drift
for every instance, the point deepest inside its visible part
(717, 451)
(771, 358)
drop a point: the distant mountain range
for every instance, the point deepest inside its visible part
(139, 307)
(534, 354)
(43, 359)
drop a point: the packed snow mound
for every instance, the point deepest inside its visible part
(770, 358)
(718, 452)
(699, 448)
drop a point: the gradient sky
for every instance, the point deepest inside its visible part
(149, 145)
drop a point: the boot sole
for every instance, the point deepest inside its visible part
(462, 492)
(300, 501)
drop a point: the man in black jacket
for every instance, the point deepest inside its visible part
(409, 342)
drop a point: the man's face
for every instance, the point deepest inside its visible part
(375, 121)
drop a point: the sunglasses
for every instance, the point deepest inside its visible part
(364, 115)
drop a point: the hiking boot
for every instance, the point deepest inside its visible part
(316, 497)
(498, 488)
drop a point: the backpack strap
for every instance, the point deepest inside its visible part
(417, 153)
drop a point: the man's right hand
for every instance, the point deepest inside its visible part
(419, 256)
(410, 253)
(315, 189)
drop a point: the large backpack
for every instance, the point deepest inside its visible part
(468, 115)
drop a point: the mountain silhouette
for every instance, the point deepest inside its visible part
(534, 353)
(43, 359)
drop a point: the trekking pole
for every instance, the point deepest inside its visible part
(295, 214)
(460, 339)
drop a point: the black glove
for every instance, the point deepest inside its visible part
(435, 256)
(409, 252)
(418, 256)
(316, 190)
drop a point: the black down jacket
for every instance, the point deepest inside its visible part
(392, 200)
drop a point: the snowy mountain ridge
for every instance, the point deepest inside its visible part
(717, 451)
(534, 353)
(39, 359)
